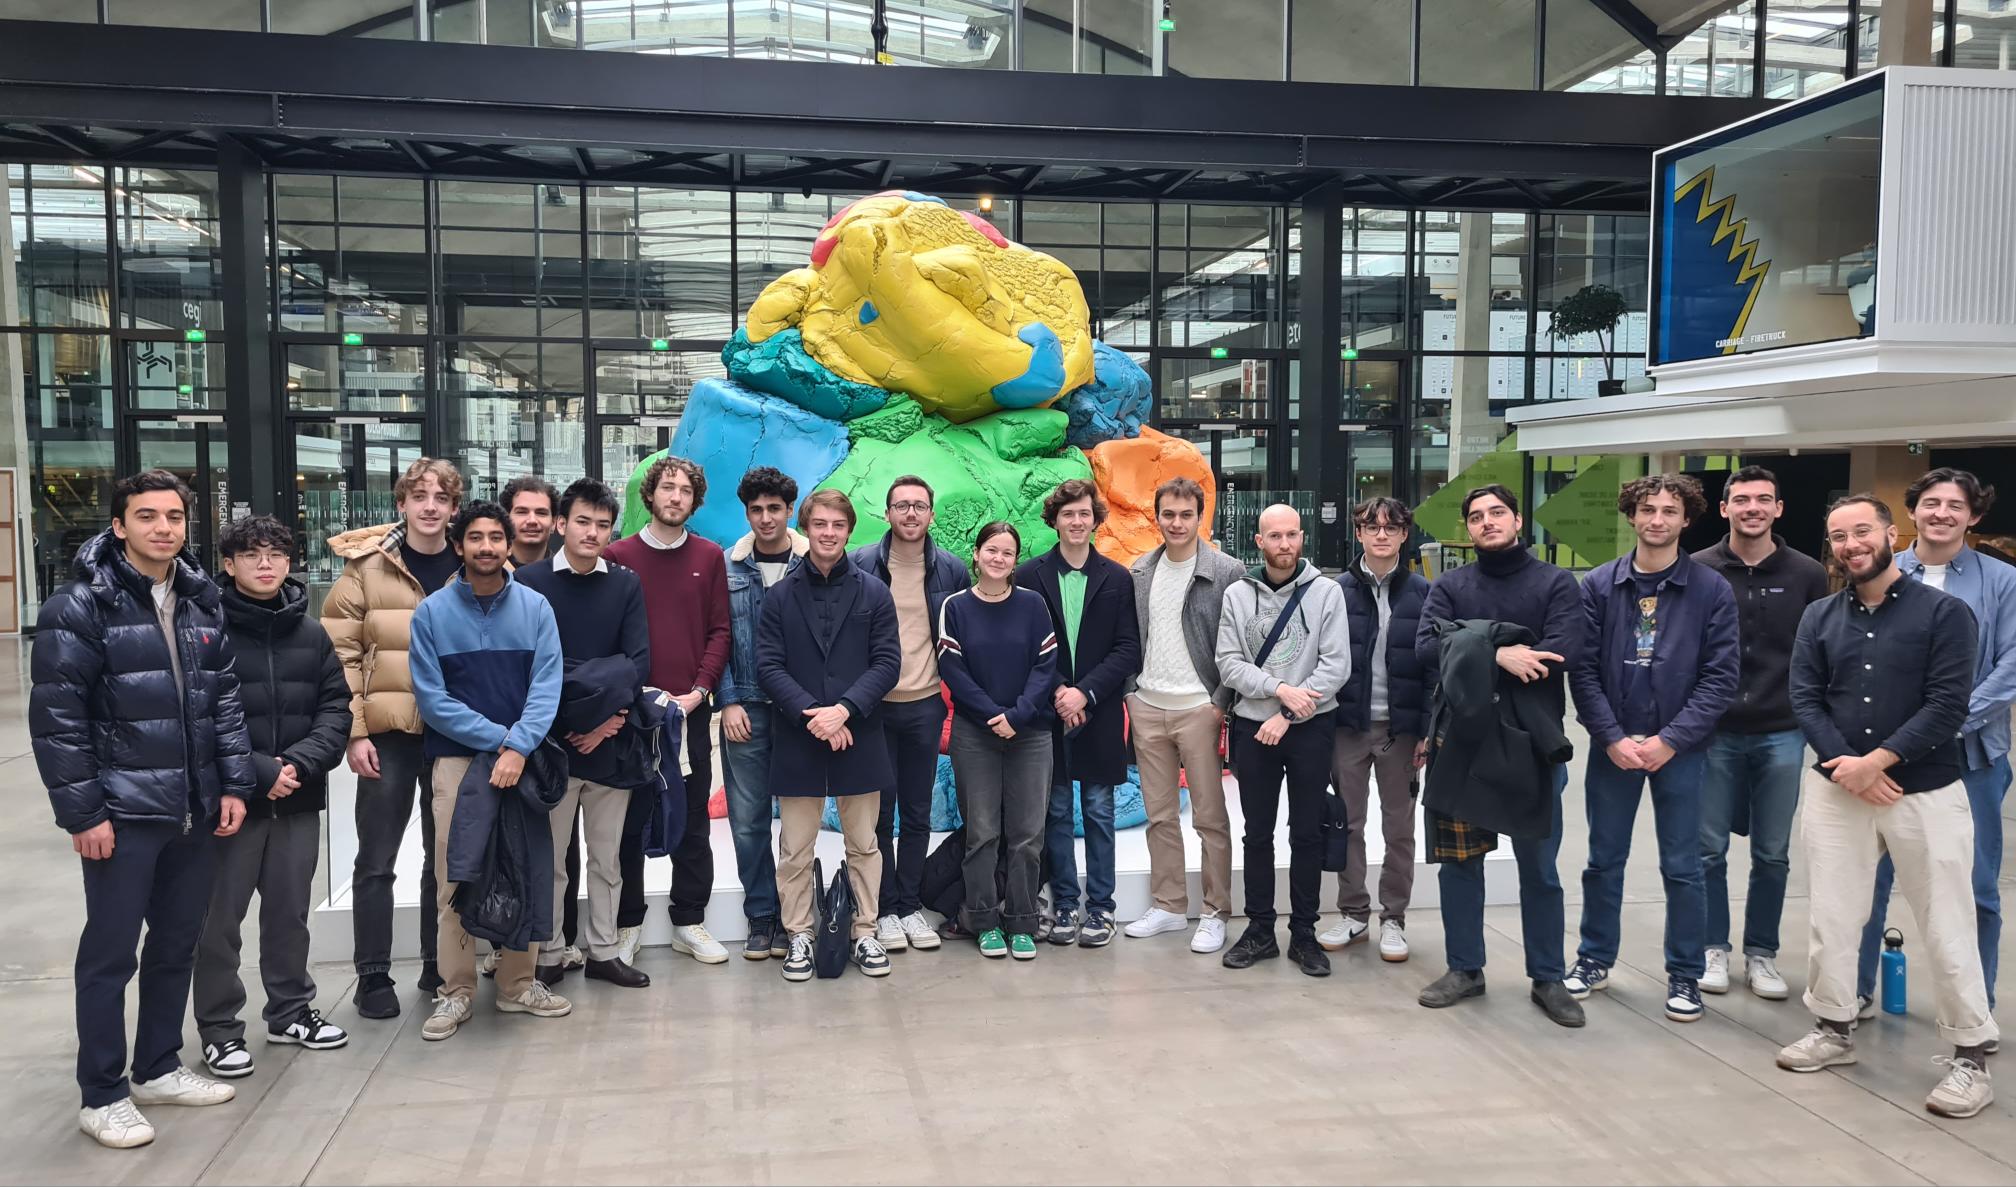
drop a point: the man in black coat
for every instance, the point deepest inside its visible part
(827, 652)
(297, 716)
(1382, 717)
(1091, 601)
(1507, 584)
(140, 738)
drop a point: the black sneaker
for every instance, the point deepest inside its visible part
(1306, 954)
(1255, 945)
(1452, 987)
(311, 1030)
(430, 978)
(1097, 930)
(376, 996)
(1558, 1003)
(757, 946)
(1064, 927)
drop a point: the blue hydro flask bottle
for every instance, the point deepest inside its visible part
(1893, 971)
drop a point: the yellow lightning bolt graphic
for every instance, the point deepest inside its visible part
(1750, 272)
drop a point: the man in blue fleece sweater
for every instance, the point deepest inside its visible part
(486, 667)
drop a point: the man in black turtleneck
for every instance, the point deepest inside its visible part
(1508, 584)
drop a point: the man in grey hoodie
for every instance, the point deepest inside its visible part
(1284, 716)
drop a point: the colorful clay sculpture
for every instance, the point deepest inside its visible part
(1114, 405)
(728, 428)
(1127, 473)
(908, 295)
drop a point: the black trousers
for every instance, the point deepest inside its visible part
(158, 876)
(1302, 757)
(912, 730)
(693, 862)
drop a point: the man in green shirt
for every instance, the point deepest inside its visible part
(1091, 602)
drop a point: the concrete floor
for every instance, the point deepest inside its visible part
(1139, 1063)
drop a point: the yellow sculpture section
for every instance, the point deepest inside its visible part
(909, 295)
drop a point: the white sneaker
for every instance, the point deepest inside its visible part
(1761, 972)
(181, 1087)
(921, 935)
(538, 1001)
(1210, 935)
(118, 1125)
(1966, 1090)
(693, 940)
(487, 964)
(571, 957)
(1154, 923)
(1823, 1047)
(890, 934)
(629, 941)
(1715, 977)
(1348, 931)
(1392, 941)
(448, 1016)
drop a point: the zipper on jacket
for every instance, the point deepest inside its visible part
(188, 822)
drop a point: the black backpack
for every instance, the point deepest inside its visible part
(833, 943)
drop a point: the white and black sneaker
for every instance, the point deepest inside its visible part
(228, 1059)
(309, 1029)
(798, 961)
(870, 958)
(1586, 978)
(1683, 999)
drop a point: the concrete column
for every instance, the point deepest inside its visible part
(14, 450)
(1472, 430)
(1904, 32)
(1884, 471)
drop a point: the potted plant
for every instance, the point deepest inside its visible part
(1593, 309)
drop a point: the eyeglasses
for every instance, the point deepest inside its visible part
(1382, 529)
(263, 556)
(1863, 532)
(910, 507)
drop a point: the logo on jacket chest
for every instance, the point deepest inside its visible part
(1293, 638)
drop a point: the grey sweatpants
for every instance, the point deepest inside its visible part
(1004, 794)
(276, 857)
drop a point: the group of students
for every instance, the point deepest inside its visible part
(512, 660)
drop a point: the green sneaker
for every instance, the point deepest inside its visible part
(994, 944)
(1022, 947)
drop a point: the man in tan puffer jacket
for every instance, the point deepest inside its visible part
(387, 570)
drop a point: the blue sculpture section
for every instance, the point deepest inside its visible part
(1114, 405)
(727, 428)
(779, 366)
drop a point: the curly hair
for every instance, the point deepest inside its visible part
(529, 483)
(1070, 491)
(1980, 495)
(441, 470)
(470, 513)
(669, 464)
(763, 481)
(1693, 504)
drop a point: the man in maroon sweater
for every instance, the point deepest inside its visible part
(686, 607)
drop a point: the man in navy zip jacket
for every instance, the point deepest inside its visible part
(1663, 663)
(1507, 584)
(1382, 717)
(140, 738)
(487, 669)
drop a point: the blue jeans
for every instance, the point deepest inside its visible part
(1063, 854)
(1986, 789)
(1753, 776)
(745, 775)
(1611, 794)
(1542, 918)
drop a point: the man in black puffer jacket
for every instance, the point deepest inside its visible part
(297, 713)
(1382, 716)
(140, 738)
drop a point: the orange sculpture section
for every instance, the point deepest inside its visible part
(1127, 473)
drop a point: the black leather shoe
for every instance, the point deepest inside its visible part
(1254, 945)
(616, 973)
(376, 996)
(1306, 954)
(550, 975)
(1563, 1010)
(1452, 987)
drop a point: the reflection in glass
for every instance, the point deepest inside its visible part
(1218, 269)
(513, 408)
(1717, 57)
(1805, 46)
(1216, 389)
(61, 263)
(1213, 39)
(1113, 36)
(651, 383)
(1467, 44)
(1984, 35)
(367, 379)
(343, 479)
(391, 19)
(624, 448)
(169, 253)
(658, 263)
(195, 452)
(774, 234)
(175, 376)
(242, 15)
(1587, 51)
(65, 390)
(1361, 41)
(1473, 266)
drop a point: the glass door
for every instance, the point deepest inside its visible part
(191, 446)
(640, 395)
(344, 470)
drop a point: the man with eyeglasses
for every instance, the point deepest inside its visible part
(1755, 755)
(1382, 719)
(1881, 674)
(920, 575)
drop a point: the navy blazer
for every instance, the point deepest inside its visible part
(801, 666)
(1107, 656)
(1696, 661)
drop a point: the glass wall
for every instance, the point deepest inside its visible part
(1710, 49)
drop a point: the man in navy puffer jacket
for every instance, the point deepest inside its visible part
(140, 738)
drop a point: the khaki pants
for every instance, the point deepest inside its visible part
(1361, 753)
(456, 952)
(1164, 744)
(1930, 838)
(798, 835)
(602, 811)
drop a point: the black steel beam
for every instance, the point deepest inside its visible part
(250, 425)
(1325, 452)
(1642, 28)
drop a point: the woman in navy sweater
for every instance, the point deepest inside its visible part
(997, 654)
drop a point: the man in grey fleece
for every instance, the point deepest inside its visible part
(1284, 723)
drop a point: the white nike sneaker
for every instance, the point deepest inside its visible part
(1347, 932)
(1154, 923)
(1392, 941)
